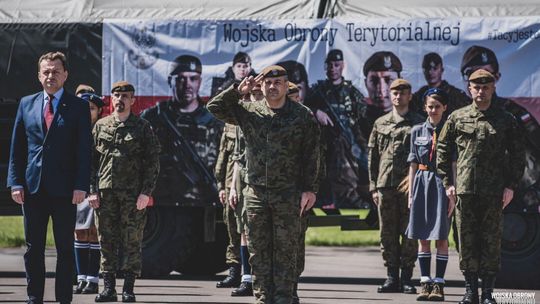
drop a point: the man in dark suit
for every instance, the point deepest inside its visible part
(49, 173)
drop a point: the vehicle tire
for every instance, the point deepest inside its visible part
(167, 238)
(520, 254)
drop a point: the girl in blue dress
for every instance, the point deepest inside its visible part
(430, 207)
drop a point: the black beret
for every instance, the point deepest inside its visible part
(241, 57)
(334, 55)
(122, 86)
(185, 63)
(296, 72)
(431, 60)
(476, 56)
(437, 94)
(382, 61)
(93, 98)
(273, 71)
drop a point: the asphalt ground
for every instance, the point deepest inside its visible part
(332, 275)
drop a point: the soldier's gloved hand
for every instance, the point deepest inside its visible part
(306, 202)
(375, 197)
(142, 201)
(508, 195)
(93, 200)
(222, 197)
(323, 118)
(78, 196)
(233, 198)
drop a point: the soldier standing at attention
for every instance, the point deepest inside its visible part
(388, 150)
(282, 144)
(490, 162)
(125, 168)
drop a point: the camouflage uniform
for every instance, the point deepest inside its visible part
(125, 165)
(389, 146)
(345, 182)
(489, 158)
(223, 173)
(282, 162)
(239, 157)
(456, 99)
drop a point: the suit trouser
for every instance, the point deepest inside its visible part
(36, 211)
(393, 221)
(273, 232)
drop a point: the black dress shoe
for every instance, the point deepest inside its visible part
(91, 288)
(79, 288)
(244, 290)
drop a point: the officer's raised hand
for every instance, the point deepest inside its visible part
(248, 84)
(306, 202)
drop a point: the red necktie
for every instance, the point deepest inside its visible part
(48, 112)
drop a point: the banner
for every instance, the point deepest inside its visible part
(141, 52)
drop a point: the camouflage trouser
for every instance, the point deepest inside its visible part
(479, 224)
(273, 232)
(120, 225)
(301, 256)
(232, 255)
(393, 220)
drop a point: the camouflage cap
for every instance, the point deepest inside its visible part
(400, 84)
(477, 56)
(431, 60)
(481, 76)
(185, 63)
(273, 71)
(241, 57)
(84, 88)
(292, 88)
(122, 86)
(334, 55)
(296, 72)
(382, 61)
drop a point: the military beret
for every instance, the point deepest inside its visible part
(334, 55)
(400, 84)
(437, 94)
(122, 86)
(431, 60)
(382, 61)
(481, 76)
(296, 72)
(84, 88)
(185, 63)
(292, 88)
(273, 71)
(93, 98)
(241, 57)
(477, 56)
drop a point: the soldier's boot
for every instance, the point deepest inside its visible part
(128, 296)
(295, 297)
(406, 282)
(244, 290)
(437, 293)
(233, 279)
(392, 282)
(425, 291)
(109, 292)
(471, 289)
(488, 282)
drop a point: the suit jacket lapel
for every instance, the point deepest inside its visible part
(37, 112)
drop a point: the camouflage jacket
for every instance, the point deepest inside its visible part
(282, 147)
(225, 161)
(389, 145)
(489, 148)
(456, 99)
(126, 155)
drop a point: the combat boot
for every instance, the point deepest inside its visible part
(406, 283)
(437, 293)
(128, 296)
(488, 282)
(425, 292)
(471, 289)
(109, 292)
(233, 279)
(392, 282)
(295, 297)
(244, 290)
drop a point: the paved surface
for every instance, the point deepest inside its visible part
(332, 275)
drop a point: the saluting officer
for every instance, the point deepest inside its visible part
(125, 168)
(490, 162)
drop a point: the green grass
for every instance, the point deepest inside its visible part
(12, 232)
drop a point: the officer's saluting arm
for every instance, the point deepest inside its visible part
(311, 154)
(150, 169)
(225, 105)
(516, 155)
(373, 159)
(445, 152)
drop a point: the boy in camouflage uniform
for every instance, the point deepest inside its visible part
(389, 146)
(490, 162)
(282, 142)
(125, 167)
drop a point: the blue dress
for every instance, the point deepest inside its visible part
(428, 219)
